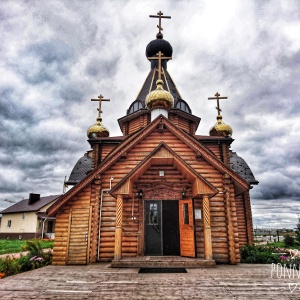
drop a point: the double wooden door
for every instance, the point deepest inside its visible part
(169, 228)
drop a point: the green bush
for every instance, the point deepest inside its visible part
(35, 258)
(259, 255)
(9, 266)
(34, 247)
(289, 240)
(24, 262)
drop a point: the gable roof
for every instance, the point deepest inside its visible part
(163, 154)
(23, 206)
(136, 138)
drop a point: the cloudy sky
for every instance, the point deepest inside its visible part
(57, 55)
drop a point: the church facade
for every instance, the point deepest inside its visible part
(159, 189)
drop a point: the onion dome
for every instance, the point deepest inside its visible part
(220, 128)
(97, 130)
(159, 45)
(159, 98)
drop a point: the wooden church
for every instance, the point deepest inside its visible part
(159, 190)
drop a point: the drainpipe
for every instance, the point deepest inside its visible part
(43, 227)
(100, 215)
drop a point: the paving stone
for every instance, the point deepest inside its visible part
(98, 281)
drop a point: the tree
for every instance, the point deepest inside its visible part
(298, 231)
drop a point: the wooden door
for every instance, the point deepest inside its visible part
(186, 226)
(79, 236)
(171, 239)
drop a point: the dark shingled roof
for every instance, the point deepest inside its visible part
(81, 169)
(239, 166)
(23, 205)
(147, 84)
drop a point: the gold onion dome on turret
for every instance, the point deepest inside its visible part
(220, 128)
(159, 98)
(97, 130)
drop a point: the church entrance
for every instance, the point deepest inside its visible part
(162, 232)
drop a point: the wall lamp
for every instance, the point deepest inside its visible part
(183, 193)
(140, 194)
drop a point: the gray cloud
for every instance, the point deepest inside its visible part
(57, 55)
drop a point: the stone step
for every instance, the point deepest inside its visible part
(162, 262)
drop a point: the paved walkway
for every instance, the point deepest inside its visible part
(99, 281)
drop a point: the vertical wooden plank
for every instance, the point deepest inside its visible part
(78, 236)
(89, 237)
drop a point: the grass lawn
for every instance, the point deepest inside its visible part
(15, 246)
(282, 245)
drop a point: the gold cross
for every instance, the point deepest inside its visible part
(217, 97)
(159, 16)
(100, 99)
(159, 57)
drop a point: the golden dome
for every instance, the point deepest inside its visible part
(159, 98)
(97, 130)
(220, 128)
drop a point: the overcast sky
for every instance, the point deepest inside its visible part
(57, 55)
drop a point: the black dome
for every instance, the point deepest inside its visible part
(159, 45)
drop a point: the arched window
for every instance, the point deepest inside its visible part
(135, 106)
(182, 105)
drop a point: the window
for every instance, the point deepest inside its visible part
(153, 214)
(135, 106)
(9, 223)
(23, 216)
(186, 213)
(50, 227)
(182, 105)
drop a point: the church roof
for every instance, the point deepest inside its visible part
(239, 166)
(24, 206)
(136, 138)
(81, 169)
(149, 85)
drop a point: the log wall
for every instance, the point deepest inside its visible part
(217, 208)
(62, 228)
(106, 149)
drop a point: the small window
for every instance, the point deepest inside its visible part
(182, 105)
(9, 223)
(50, 227)
(135, 106)
(153, 214)
(23, 216)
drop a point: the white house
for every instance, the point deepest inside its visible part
(28, 219)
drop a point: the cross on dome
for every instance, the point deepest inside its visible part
(159, 57)
(100, 99)
(217, 97)
(160, 16)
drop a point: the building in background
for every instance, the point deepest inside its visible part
(27, 219)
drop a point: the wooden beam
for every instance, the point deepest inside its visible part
(118, 232)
